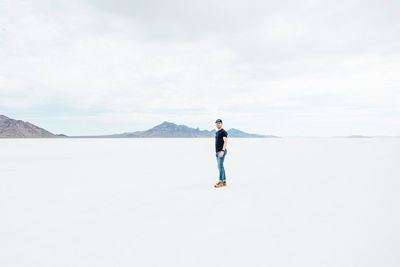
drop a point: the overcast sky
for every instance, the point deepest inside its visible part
(288, 68)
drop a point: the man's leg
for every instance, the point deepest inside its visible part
(223, 158)
(221, 168)
(219, 165)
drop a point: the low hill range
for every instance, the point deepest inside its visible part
(11, 128)
(171, 130)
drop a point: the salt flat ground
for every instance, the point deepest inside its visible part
(151, 202)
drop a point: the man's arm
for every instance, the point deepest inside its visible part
(225, 142)
(224, 146)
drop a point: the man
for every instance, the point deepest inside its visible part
(221, 140)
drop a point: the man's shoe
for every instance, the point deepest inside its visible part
(224, 183)
(219, 184)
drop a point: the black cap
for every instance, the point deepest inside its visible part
(218, 120)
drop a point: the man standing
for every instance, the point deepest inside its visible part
(221, 140)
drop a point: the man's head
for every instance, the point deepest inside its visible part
(218, 122)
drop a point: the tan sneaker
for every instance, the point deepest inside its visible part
(224, 183)
(219, 184)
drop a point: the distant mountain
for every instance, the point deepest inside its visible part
(166, 129)
(169, 129)
(18, 129)
(357, 136)
(366, 136)
(237, 133)
(353, 136)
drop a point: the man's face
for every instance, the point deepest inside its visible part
(219, 125)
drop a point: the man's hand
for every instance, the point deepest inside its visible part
(221, 154)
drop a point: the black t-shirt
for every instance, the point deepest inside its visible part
(219, 140)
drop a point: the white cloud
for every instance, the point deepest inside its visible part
(190, 62)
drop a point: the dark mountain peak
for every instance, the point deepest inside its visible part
(168, 123)
(165, 124)
(235, 130)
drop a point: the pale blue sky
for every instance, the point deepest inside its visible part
(320, 68)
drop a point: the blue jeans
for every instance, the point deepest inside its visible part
(221, 168)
